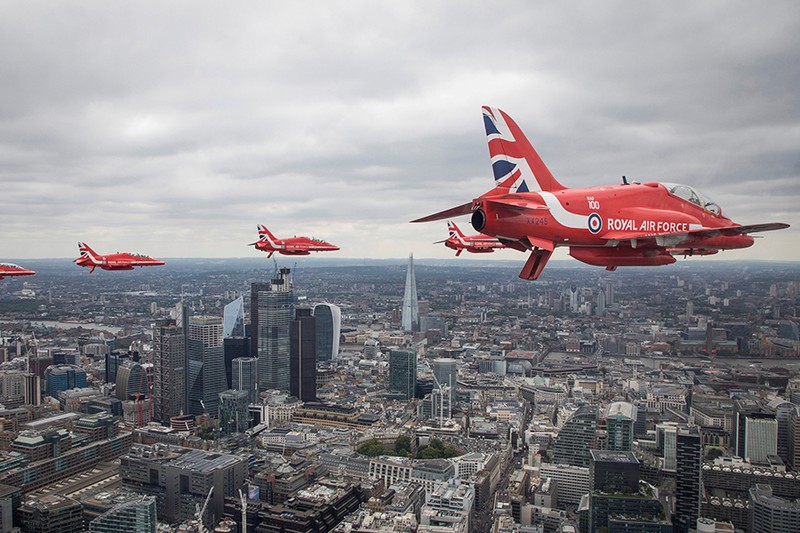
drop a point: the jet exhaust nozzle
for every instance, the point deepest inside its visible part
(478, 219)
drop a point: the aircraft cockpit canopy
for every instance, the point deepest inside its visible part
(693, 195)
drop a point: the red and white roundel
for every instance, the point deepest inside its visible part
(595, 223)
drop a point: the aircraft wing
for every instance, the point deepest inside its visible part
(674, 240)
(741, 230)
(463, 209)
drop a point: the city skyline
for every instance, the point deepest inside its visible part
(561, 411)
(344, 123)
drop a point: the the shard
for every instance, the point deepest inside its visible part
(410, 315)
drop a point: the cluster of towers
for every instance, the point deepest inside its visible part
(219, 365)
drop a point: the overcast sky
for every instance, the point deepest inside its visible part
(173, 128)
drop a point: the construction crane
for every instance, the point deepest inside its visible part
(201, 528)
(243, 499)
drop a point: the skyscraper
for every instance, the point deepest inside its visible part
(206, 364)
(270, 312)
(576, 438)
(601, 303)
(609, 293)
(245, 377)
(410, 315)
(403, 372)
(687, 477)
(169, 371)
(233, 348)
(444, 369)
(303, 365)
(133, 381)
(329, 327)
(233, 318)
(620, 417)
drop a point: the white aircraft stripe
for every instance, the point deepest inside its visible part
(562, 216)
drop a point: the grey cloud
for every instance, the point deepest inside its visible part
(149, 124)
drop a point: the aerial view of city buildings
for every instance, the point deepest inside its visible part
(391, 396)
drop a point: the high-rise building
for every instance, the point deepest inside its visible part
(403, 372)
(609, 293)
(206, 364)
(329, 328)
(747, 411)
(616, 491)
(600, 309)
(444, 369)
(303, 363)
(233, 416)
(576, 437)
(687, 477)
(63, 377)
(233, 319)
(771, 513)
(113, 361)
(793, 443)
(613, 472)
(620, 417)
(232, 348)
(410, 316)
(271, 309)
(133, 381)
(169, 371)
(783, 416)
(761, 439)
(667, 440)
(245, 377)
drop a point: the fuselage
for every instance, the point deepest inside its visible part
(117, 261)
(295, 246)
(476, 244)
(10, 269)
(610, 216)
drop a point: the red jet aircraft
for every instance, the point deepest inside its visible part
(267, 242)
(118, 261)
(632, 224)
(10, 269)
(476, 244)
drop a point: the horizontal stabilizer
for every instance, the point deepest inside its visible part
(514, 204)
(463, 209)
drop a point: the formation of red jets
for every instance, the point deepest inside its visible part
(632, 224)
(90, 259)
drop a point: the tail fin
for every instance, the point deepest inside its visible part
(88, 254)
(515, 164)
(265, 235)
(86, 251)
(454, 230)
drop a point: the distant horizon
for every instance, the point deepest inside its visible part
(699, 261)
